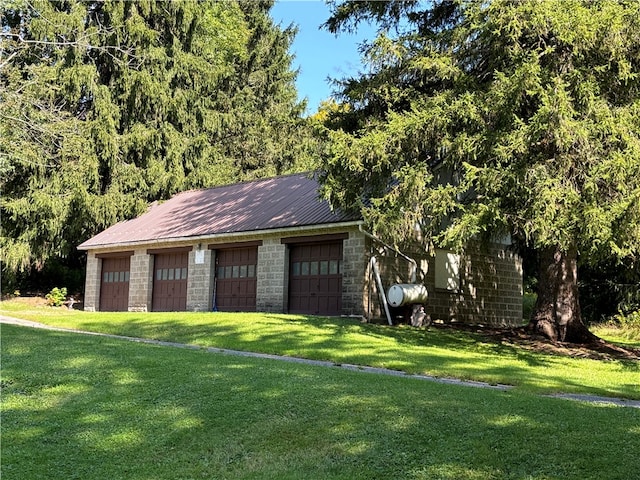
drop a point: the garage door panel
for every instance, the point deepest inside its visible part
(315, 278)
(170, 282)
(236, 282)
(329, 303)
(114, 287)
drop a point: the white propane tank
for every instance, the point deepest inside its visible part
(406, 293)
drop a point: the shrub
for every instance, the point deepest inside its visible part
(629, 323)
(609, 288)
(56, 296)
(528, 303)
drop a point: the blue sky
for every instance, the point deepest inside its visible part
(318, 53)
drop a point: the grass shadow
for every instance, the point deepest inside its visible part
(98, 408)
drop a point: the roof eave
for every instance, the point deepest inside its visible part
(226, 235)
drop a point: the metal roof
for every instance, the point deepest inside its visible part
(273, 203)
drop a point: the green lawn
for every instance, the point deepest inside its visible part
(86, 407)
(437, 351)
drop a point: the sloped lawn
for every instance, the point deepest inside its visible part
(86, 407)
(436, 351)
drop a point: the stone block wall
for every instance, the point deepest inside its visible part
(354, 254)
(489, 289)
(489, 292)
(199, 280)
(492, 287)
(140, 281)
(92, 283)
(272, 278)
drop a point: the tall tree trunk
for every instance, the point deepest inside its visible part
(556, 314)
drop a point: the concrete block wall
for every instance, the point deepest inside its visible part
(354, 263)
(199, 279)
(140, 281)
(492, 287)
(92, 283)
(490, 290)
(271, 276)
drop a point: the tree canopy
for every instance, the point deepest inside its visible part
(477, 119)
(108, 106)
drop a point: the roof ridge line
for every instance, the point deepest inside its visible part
(247, 182)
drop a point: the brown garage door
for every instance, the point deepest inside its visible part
(236, 279)
(170, 282)
(315, 278)
(114, 288)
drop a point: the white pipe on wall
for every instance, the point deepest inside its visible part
(414, 264)
(374, 266)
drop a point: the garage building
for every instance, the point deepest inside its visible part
(273, 245)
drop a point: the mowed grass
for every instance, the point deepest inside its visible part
(87, 407)
(436, 351)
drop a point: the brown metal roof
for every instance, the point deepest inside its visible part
(280, 202)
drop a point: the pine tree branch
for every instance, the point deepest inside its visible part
(8, 60)
(83, 43)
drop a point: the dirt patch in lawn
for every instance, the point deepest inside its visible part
(519, 337)
(35, 301)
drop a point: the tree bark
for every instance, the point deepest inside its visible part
(557, 314)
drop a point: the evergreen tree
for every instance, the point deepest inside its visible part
(266, 133)
(478, 119)
(109, 105)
